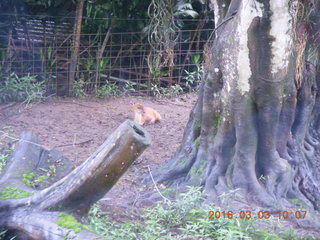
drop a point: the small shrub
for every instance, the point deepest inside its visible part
(27, 179)
(172, 91)
(78, 89)
(192, 79)
(107, 90)
(21, 89)
(155, 89)
(129, 88)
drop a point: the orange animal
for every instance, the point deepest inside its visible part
(144, 115)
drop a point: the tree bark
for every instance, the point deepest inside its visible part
(258, 107)
(37, 215)
(76, 45)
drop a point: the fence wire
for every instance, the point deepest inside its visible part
(43, 48)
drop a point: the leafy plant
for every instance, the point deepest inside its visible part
(22, 89)
(192, 79)
(129, 88)
(155, 89)
(107, 90)
(48, 56)
(6, 145)
(3, 161)
(13, 192)
(183, 219)
(78, 88)
(31, 179)
(27, 179)
(172, 91)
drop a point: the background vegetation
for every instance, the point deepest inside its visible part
(136, 47)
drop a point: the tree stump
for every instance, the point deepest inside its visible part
(36, 216)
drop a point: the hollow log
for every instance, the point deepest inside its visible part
(37, 215)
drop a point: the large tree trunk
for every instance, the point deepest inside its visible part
(256, 124)
(36, 217)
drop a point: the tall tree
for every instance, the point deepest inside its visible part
(255, 126)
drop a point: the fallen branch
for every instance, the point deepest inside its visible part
(36, 216)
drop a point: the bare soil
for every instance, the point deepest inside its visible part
(77, 127)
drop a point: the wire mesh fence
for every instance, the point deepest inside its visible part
(43, 48)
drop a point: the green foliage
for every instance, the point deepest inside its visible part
(200, 170)
(217, 120)
(103, 226)
(3, 161)
(155, 89)
(129, 88)
(31, 179)
(192, 79)
(158, 221)
(52, 169)
(184, 219)
(48, 57)
(13, 192)
(41, 178)
(78, 89)
(172, 91)
(22, 89)
(28, 178)
(197, 125)
(196, 142)
(68, 221)
(6, 145)
(107, 90)
(98, 10)
(103, 63)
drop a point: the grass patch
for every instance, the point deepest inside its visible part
(68, 221)
(185, 219)
(22, 89)
(27, 179)
(31, 179)
(13, 193)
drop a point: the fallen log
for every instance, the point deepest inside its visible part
(36, 216)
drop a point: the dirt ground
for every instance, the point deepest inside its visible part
(77, 127)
